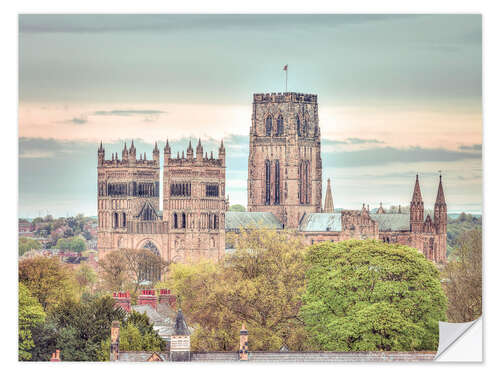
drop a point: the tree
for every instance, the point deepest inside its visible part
(237, 208)
(86, 277)
(27, 244)
(75, 243)
(143, 265)
(463, 278)
(113, 271)
(136, 334)
(259, 285)
(30, 315)
(48, 279)
(367, 295)
(82, 327)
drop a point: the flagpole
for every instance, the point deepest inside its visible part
(286, 79)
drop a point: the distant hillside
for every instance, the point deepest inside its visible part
(461, 223)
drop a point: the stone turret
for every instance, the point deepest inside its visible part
(189, 152)
(199, 151)
(243, 352)
(440, 210)
(100, 155)
(381, 209)
(167, 153)
(222, 153)
(416, 209)
(156, 153)
(132, 154)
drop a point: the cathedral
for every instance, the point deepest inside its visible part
(284, 192)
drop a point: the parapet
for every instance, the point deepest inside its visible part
(293, 97)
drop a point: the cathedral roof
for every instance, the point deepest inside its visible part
(321, 222)
(392, 222)
(236, 220)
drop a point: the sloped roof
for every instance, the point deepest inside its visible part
(140, 356)
(236, 220)
(321, 222)
(392, 222)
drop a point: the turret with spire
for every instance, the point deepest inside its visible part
(156, 154)
(125, 153)
(328, 198)
(100, 155)
(222, 153)
(167, 152)
(440, 210)
(132, 154)
(416, 209)
(189, 152)
(199, 151)
(381, 209)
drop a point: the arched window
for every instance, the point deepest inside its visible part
(305, 129)
(298, 126)
(269, 125)
(301, 182)
(115, 220)
(149, 267)
(175, 223)
(124, 219)
(268, 182)
(279, 127)
(306, 183)
(183, 220)
(277, 182)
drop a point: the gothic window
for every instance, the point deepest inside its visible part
(149, 269)
(298, 126)
(306, 183)
(124, 219)
(115, 220)
(301, 185)
(277, 182)
(175, 223)
(268, 182)
(279, 126)
(305, 128)
(212, 190)
(183, 220)
(180, 189)
(269, 125)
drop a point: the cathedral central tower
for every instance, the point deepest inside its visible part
(284, 163)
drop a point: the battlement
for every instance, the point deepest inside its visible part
(128, 163)
(205, 161)
(192, 158)
(292, 97)
(129, 158)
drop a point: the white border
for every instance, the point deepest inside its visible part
(8, 79)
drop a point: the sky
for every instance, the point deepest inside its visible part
(398, 95)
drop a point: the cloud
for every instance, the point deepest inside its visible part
(128, 112)
(358, 141)
(476, 147)
(390, 155)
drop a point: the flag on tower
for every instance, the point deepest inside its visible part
(285, 67)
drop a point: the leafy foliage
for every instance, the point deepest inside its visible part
(75, 243)
(27, 244)
(463, 278)
(259, 285)
(367, 295)
(456, 227)
(31, 314)
(48, 279)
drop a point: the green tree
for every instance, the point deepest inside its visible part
(75, 243)
(367, 295)
(86, 277)
(30, 315)
(463, 277)
(237, 208)
(137, 334)
(50, 281)
(259, 285)
(27, 244)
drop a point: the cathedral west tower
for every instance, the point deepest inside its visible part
(284, 163)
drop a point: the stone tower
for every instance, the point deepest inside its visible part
(284, 163)
(440, 223)
(328, 199)
(127, 190)
(194, 203)
(416, 209)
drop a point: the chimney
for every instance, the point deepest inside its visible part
(115, 341)
(55, 356)
(167, 298)
(243, 352)
(147, 297)
(122, 299)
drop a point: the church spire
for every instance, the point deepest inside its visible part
(328, 199)
(417, 195)
(440, 194)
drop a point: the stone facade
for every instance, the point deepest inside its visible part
(284, 162)
(192, 225)
(284, 179)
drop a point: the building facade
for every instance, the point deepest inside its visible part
(284, 189)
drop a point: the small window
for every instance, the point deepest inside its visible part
(279, 127)
(269, 125)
